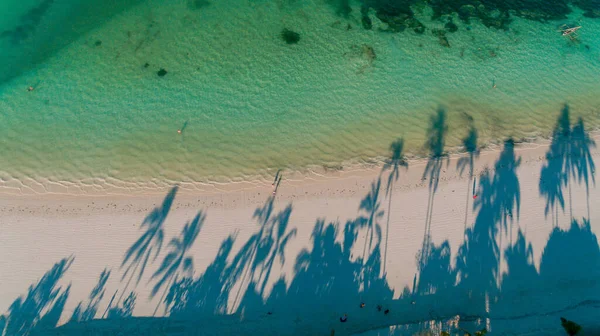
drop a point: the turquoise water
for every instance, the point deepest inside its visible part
(251, 103)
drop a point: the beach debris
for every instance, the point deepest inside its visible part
(161, 73)
(290, 36)
(363, 55)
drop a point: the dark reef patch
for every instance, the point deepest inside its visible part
(399, 16)
(161, 73)
(28, 23)
(197, 4)
(451, 27)
(289, 36)
(341, 7)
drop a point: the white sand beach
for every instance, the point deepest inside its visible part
(96, 233)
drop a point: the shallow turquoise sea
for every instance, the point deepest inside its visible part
(249, 103)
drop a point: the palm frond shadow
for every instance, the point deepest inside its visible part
(393, 164)
(470, 145)
(177, 259)
(149, 244)
(568, 159)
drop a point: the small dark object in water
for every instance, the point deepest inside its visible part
(468, 27)
(349, 27)
(146, 65)
(98, 43)
(344, 318)
(366, 21)
(162, 72)
(362, 305)
(587, 46)
(198, 4)
(269, 313)
(289, 36)
(441, 35)
(378, 307)
(451, 27)
(387, 311)
(419, 29)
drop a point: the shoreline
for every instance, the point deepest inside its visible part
(307, 176)
(39, 230)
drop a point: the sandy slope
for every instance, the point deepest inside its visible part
(38, 231)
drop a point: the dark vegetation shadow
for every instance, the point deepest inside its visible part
(42, 306)
(568, 159)
(326, 283)
(478, 259)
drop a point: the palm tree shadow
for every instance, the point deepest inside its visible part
(469, 143)
(393, 164)
(583, 163)
(372, 207)
(553, 176)
(436, 141)
(507, 187)
(568, 157)
(208, 294)
(244, 262)
(150, 243)
(282, 237)
(177, 259)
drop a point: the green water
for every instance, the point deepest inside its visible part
(252, 103)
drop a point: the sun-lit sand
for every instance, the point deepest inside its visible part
(97, 231)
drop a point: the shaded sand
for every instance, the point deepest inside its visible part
(96, 232)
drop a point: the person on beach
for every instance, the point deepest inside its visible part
(344, 318)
